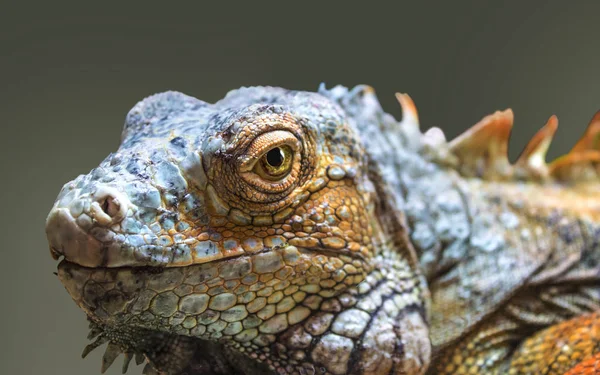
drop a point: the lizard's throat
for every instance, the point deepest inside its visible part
(291, 313)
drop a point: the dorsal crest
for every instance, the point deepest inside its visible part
(483, 149)
(482, 152)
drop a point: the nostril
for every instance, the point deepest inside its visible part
(105, 206)
(110, 206)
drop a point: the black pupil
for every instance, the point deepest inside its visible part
(275, 157)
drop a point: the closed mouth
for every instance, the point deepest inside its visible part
(73, 243)
(59, 256)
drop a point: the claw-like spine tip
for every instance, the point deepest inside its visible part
(534, 154)
(482, 150)
(139, 358)
(99, 341)
(591, 138)
(126, 360)
(494, 128)
(582, 163)
(409, 110)
(111, 353)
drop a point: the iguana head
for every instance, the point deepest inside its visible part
(251, 224)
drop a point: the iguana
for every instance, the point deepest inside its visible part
(289, 232)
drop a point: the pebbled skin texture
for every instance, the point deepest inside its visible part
(372, 254)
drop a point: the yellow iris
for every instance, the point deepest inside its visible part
(275, 163)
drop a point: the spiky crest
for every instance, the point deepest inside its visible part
(532, 161)
(482, 150)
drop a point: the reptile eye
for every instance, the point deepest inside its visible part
(275, 163)
(271, 163)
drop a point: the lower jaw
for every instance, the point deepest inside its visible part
(149, 305)
(147, 294)
(111, 292)
(119, 304)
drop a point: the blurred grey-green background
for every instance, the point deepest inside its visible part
(69, 74)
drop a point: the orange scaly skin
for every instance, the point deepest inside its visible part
(559, 348)
(590, 366)
(285, 232)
